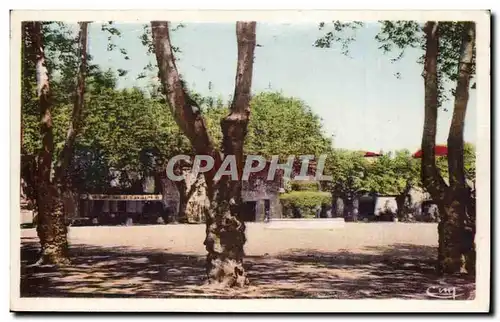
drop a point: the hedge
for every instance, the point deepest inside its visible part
(305, 185)
(304, 201)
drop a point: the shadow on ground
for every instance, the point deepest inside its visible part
(396, 271)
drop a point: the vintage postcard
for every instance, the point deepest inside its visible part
(280, 161)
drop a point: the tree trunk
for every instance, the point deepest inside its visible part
(449, 231)
(64, 183)
(431, 178)
(402, 204)
(181, 216)
(454, 240)
(51, 227)
(64, 160)
(28, 161)
(458, 185)
(225, 229)
(193, 198)
(400, 201)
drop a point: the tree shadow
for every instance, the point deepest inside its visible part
(112, 272)
(396, 271)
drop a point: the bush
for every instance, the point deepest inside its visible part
(306, 185)
(305, 202)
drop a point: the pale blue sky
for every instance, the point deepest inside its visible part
(359, 99)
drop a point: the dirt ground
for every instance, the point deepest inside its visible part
(360, 260)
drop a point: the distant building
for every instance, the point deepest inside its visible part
(261, 196)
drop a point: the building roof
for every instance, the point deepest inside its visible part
(440, 150)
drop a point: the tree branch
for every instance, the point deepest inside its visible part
(66, 154)
(187, 116)
(234, 126)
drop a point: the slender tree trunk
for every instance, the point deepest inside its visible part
(431, 177)
(224, 227)
(458, 185)
(401, 202)
(51, 227)
(64, 160)
(28, 161)
(181, 216)
(63, 182)
(449, 252)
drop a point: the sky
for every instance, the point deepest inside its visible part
(361, 102)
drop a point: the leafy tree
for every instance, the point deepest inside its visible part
(62, 60)
(469, 164)
(279, 125)
(86, 163)
(120, 125)
(449, 56)
(398, 36)
(50, 183)
(285, 126)
(338, 33)
(348, 171)
(394, 175)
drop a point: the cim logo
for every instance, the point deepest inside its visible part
(442, 292)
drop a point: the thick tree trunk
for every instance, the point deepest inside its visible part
(451, 234)
(51, 227)
(458, 185)
(225, 229)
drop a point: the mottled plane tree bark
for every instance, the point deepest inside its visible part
(51, 185)
(225, 230)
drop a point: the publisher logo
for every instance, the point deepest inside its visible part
(443, 292)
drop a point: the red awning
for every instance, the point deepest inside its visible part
(440, 150)
(372, 154)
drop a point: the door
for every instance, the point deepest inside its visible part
(249, 211)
